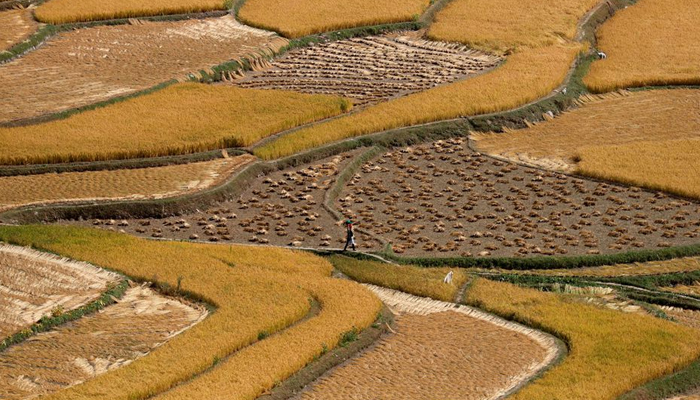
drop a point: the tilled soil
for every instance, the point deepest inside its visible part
(283, 208)
(16, 25)
(439, 352)
(89, 65)
(141, 321)
(372, 69)
(138, 183)
(34, 284)
(444, 199)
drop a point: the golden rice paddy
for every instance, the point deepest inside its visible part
(653, 42)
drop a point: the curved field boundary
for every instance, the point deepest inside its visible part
(410, 304)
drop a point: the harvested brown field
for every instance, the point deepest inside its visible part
(181, 119)
(141, 321)
(440, 350)
(66, 11)
(16, 25)
(90, 65)
(283, 208)
(158, 182)
(443, 199)
(35, 284)
(686, 289)
(643, 138)
(653, 42)
(678, 265)
(685, 317)
(294, 18)
(371, 69)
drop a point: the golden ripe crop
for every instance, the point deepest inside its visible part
(653, 42)
(180, 119)
(506, 24)
(294, 18)
(532, 72)
(610, 352)
(426, 282)
(643, 138)
(66, 11)
(257, 292)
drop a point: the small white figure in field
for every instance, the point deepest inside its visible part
(602, 55)
(448, 277)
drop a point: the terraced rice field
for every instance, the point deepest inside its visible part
(17, 25)
(35, 284)
(90, 65)
(444, 199)
(141, 321)
(372, 69)
(650, 134)
(652, 43)
(180, 119)
(283, 208)
(439, 351)
(295, 18)
(159, 182)
(62, 11)
(686, 289)
(689, 318)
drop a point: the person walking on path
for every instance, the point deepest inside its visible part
(350, 238)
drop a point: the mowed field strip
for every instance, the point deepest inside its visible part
(295, 18)
(530, 72)
(651, 43)
(646, 138)
(16, 25)
(371, 69)
(35, 284)
(71, 354)
(440, 350)
(66, 11)
(141, 183)
(257, 293)
(180, 119)
(85, 66)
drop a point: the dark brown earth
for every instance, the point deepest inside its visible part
(440, 199)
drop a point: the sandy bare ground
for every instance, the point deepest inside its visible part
(85, 66)
(16, 25)
(372, 69)
(439, 352)
(141, 321)
(126, 184)
(33, 284)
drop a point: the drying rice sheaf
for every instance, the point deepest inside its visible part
(295, 18)
(158, 182)
(441, 350)
(16, 25)
(179, 119)
(257, 292)
(86, 66)
(371, 69)
(608, 345)
(653, 42)
(650, 133)
(34, 284)
(426, 282)
(140, 321)
(531, 72)
(686, 289)
(66, 11)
